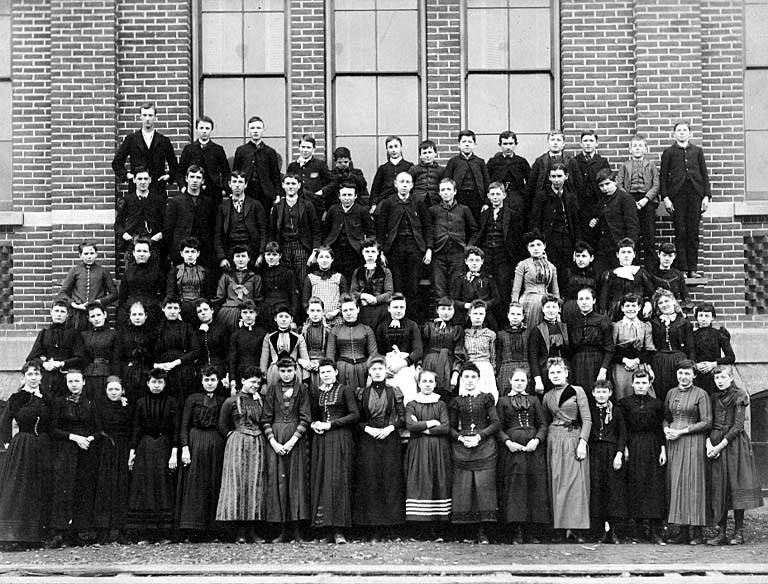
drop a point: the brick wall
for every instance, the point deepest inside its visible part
(307, 77)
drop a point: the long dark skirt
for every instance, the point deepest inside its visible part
(243, 480)
(664, 368)
(372, 315)
(95, 388)
(523, 482)
(288, 478)
(199, 483)
(332, 454)
(585, 367)
(428, 479)
(607, 493)
(378, 494)
(25, 477)
(134, 378)
(73, 487)
(112, 481)
(181, 381)
(151, 495)
(732, 479)
(646, 479)
(474, 483)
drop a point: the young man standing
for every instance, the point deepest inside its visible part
(149, 149)
(140, 212)
(470, 174)
(582, 172)
(260, 165)
(240, 220)
(209, 156)
(512, 171)
(312, 172)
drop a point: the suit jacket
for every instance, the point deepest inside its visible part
(619, 213)
(673, 174)
(458, 167)
(539, 178)
(155, 158)
(255, 223)
(331, 190)
(314, 175)
(137, 216)
(650, 177)
(309, 224)
(261, 167)
(512, 226)
(543, 211)
(582, 175)
(213, 160)
(391, 211)
(357, 225)
(184, 219)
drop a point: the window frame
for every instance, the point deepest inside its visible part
(6, 198)
(753, 197)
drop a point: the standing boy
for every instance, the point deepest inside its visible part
(668, 277)
(240, 220)
(384, 179)
(147, 149)
(141, 213)
(312, 172)
(470, 174)
(260, 164)
(555, 154)
(582, 172)
(427, 175)
(685, 190)
(344, 170)
(347, 224)
(453, 228)
(512, 171)
(209, 156)
(614, 218)
(639, 177)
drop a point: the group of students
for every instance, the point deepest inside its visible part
(287, 371)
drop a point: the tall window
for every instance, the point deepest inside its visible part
(6, 106)
(756, 97)
(509, 47)
(375, 77)
(242, 66)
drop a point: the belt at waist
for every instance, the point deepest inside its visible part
(249, 431)
(353, 361)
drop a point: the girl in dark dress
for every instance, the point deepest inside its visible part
(580, 274)
(607, 442)
(443, 348)
(189, 281)
(202, 457)
(673, 339)
(645, 457)
(113, 476)
(175, 352)
(350, 344)
(474, 423)
(315, 332)
(242, 498)
(245, 344)
(547, 340)
(143, 282)
(25, 470)
(522, 470)
(278, 285)
(98, 352)
(713, 347)
(334, 413)
(591, 337)
(511, 348)
(428, 465)
(133, 354)
(286, 421)
(732, 475)
(235, 287)
(75, 463)
(153, 460)
(615, 283)
(378, 492)
(372, 284)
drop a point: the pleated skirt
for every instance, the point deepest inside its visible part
(243, 479)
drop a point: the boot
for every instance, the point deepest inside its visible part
(283, 537)
(738, 537)
(297, 537)
(517, 536)
(683, 536)
(696, 537)
(482, 538)
(719, 537)
(655, 535)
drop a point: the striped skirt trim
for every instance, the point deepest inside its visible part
(428, 507)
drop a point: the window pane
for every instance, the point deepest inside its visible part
(364, 150)
(756, 155)
(222, 5)
(279, 145)
(5, 46)
(487, 102)
(410, 147)
(530, 39)
(488, 39)
(229, 145)
(354, 48)
(530, 102)
(756, 35)
(264, 49)
(5, 6)
(266, 98)
(396, 4)
(222, 43)
(355, 4)
(355, 105)
(486, 3)
(264, 6)
(397, 40)
(398, 105)
(756, 99)
(531, 146)
(6, 110)
(223, 101)
(6, 172)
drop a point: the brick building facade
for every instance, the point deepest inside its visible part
(76, 72)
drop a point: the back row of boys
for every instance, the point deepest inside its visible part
(682, 184)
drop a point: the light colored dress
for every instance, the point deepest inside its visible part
(534, 278)
(480, 346)
(632, 339)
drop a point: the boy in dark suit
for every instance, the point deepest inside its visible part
(312, 172)
(347, 224)
(140, 213)
(344, 170)
(512, 171)
(470, 174)
(556, 154)
(582, 172)
(209, 156)
(387, 172)
(260, 164)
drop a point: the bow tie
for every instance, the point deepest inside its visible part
(74, 397)
(472, 275)
(394, 324)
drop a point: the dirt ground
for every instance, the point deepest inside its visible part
(407, 552)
